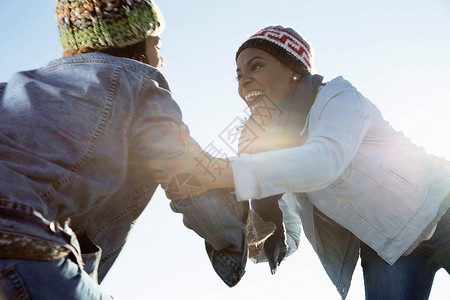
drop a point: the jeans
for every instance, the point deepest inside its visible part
(47, 280)
(411, 277)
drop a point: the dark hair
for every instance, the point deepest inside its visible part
(135, 51)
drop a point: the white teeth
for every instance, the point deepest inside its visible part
(252, 95)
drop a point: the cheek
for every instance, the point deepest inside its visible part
(157, 62)
(153, 58)
(240, 92)
(281, 86)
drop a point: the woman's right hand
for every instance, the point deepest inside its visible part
(191, 173)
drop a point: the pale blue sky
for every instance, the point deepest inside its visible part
(396, 52)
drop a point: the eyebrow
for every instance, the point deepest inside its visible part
(250, 61)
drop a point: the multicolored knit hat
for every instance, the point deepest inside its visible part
(285, 44)
(101, 24)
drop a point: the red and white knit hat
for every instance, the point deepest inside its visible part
(285, 44)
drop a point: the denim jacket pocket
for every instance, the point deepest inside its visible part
(91, 255)
(395, 175)
(401, 185)
(11, 286)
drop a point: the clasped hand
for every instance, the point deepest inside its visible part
(192, 173)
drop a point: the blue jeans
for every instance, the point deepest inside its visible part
(47, 280)
(411, 277)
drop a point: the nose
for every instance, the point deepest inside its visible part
(244, 80)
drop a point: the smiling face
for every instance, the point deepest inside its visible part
(262, 75)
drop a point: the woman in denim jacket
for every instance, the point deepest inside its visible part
(75, 136)
(323, 154)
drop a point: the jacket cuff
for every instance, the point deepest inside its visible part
(244, 177)
(229, 266)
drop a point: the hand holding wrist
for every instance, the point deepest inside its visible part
(192, 173)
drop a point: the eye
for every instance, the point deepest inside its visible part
(256, 66)
(238, 77)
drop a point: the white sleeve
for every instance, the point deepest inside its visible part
(328, 150)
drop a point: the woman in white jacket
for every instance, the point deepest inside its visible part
(322, 152)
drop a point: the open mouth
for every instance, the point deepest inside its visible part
(253, 98)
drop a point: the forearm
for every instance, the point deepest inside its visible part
(222, 175)
(299, 169)
(332, 142)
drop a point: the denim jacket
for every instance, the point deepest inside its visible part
(74, 138)
(355, 178)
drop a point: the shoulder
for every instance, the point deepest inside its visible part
(339, 88)
(98, 62)
(101, 60)
(339, 96)
(334, 87)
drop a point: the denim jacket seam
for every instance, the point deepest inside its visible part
(116, 217)
(225, 267)
(232, 210)
(15, 206)
(228, 261)
(366, 197)
(141, 93)
(407, 224)
(131, 209)
(113, 253)
(143, 192)
(224, 198)
(109, 60)
(366, 175)
(93, 140)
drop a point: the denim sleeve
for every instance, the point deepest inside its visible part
(218, 218)
(214, 215)
(157, 125)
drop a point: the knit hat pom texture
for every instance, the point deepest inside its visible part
(101, 24)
